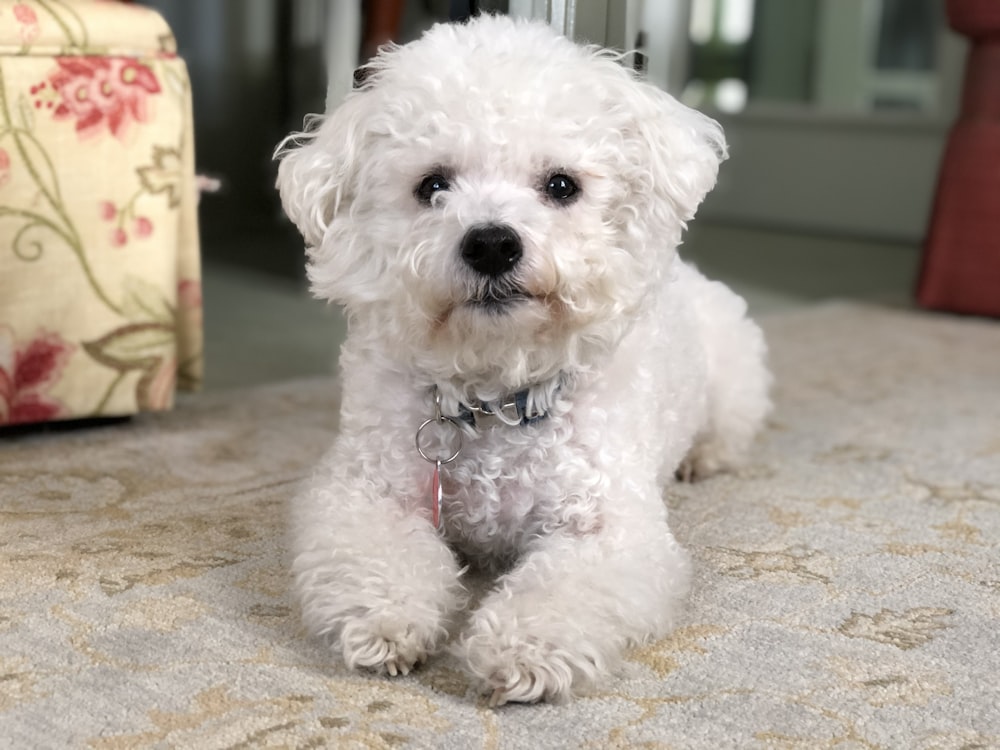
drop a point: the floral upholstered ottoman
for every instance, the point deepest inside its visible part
(100, 293)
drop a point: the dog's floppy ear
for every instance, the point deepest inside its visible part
(682, 146)
(319, 166)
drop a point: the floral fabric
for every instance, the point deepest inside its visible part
(100, 287)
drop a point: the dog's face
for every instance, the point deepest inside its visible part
(497, 203)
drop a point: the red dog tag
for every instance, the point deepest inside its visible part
(436, 495)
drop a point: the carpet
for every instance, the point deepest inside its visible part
(846, 594)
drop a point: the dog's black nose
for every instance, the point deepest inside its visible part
(491, 249)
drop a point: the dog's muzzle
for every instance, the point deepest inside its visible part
(491, 250)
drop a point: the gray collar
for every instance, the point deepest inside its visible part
(511, 410)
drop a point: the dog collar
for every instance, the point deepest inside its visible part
(511, 410)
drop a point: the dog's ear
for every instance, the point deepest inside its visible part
(682, 149)
(319, 166)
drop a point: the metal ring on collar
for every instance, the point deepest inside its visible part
(439, 420)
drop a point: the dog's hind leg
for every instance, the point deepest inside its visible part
(738, 380)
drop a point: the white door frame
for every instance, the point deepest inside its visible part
(603, 22)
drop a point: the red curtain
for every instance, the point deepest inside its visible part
(961, 261)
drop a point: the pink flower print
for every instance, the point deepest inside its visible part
(25, 13)
(95, 91)
(156, 389)
(189, 293)
(4, 167)
(142, 227)
(44, 95)
(28, 19)
(27, 370)
(189, 305)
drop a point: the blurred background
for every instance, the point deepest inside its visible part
(836, 112)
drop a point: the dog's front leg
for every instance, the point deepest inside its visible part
(374, 579)
(562, 618)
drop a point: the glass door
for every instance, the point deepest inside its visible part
(836, 110)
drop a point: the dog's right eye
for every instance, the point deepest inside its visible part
(431, 184)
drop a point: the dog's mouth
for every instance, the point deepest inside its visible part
(497, 304)
(497, 298)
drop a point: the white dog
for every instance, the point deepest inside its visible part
(497, 209)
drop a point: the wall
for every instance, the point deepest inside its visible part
(843, 175)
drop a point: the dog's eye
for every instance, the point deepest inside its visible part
(431, 184)
(561, 187)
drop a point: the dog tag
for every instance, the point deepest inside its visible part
(436, 495)
(452, 429)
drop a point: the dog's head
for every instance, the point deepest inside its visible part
(496, 202)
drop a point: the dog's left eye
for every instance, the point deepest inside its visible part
(431, 184)
(561, 187)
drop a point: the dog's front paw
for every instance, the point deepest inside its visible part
(519, 668)
(386, 648)
(529, 682)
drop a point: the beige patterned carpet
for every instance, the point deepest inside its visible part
(847, 591)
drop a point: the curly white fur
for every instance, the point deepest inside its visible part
(640, 363)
